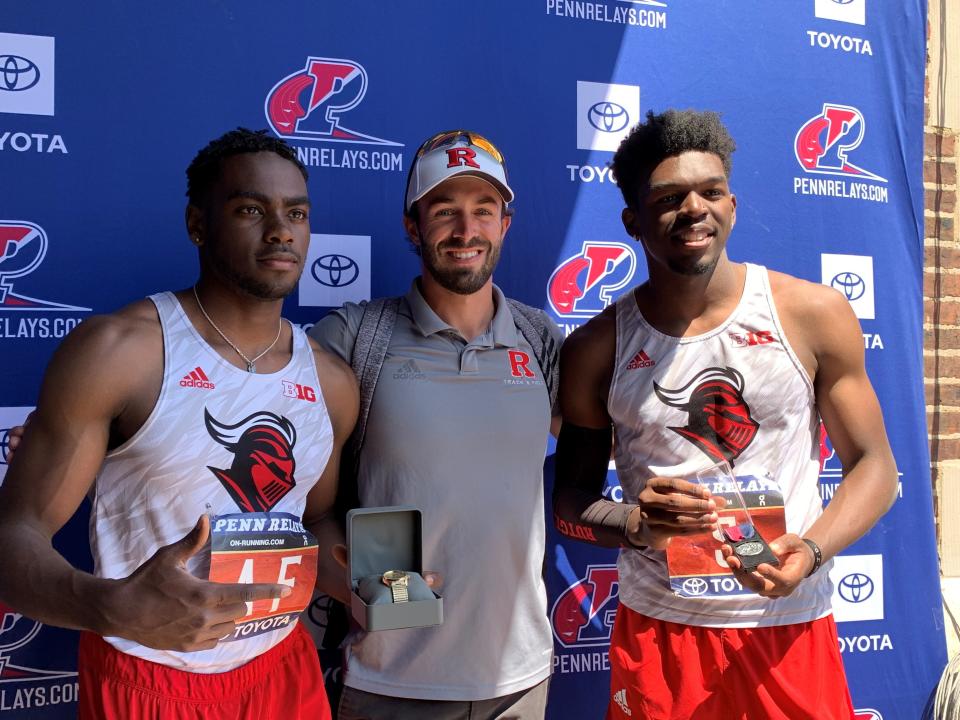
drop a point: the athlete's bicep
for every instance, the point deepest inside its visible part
(341, 398)
(64, 445)
(586, 360)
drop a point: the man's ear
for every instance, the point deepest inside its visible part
(196, 228)
(413, 232)
(629, 219)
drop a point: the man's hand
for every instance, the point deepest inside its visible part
(796, 561)
(14, 436)
(670, 507)
(163, 606)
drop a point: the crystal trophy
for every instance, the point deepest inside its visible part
(735, 527)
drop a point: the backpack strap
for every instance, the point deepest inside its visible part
(369, 350)
(533, 325)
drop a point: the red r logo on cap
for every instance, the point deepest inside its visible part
(461, 156)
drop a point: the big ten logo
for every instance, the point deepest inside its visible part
(309, 104)
(298, 391)
(751, 339)
(583, 614)
(584, 284)
(520, 364)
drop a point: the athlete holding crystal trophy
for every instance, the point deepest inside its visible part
(743, 363)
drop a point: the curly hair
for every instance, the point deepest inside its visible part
(666, 135)
(204, 169)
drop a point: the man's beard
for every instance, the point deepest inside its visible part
(692, 267)
(461, 281)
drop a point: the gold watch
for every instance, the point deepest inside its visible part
(398, 582)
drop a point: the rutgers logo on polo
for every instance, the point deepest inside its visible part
(583, 614)
(584, 284)
(520, 364)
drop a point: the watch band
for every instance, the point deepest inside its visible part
(398, 582)
(817, 555)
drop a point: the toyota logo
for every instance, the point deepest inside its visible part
(855, 588)
(608, 117)
(335, 270)
(695, 586)
(850, 284)
(843, 2)
(4, 444)
(17, 73)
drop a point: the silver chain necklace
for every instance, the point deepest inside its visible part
(251, 363)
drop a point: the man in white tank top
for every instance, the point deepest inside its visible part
(712, 361)
(206, 431)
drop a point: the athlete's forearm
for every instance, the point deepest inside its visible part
(863, 497)
(38, 582)
(580, 510)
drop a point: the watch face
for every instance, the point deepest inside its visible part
(392, 576)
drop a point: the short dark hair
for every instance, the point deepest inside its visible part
(204, 169)
(666, 135)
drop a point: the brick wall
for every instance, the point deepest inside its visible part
(941, 302)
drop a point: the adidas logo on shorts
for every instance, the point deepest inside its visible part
(620, 698)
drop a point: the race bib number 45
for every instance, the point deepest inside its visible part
(695, 564)
(264, 547)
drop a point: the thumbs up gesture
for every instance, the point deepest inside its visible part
(163, 606)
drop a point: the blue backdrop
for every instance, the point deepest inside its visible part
(102, 106)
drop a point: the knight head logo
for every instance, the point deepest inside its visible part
(583, 614)
(263, 464)
(23, 246)
(310, 103)
(719, 423)
(823, 142)
(586, 283)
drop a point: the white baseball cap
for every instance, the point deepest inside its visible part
(452, 153)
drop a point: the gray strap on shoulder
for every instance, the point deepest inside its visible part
(532, 324)
(369, 350)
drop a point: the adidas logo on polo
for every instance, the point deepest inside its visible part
(640, 360)
(620, 698)
(197, 378)
(409, 371)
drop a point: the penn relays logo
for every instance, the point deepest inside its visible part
(23, 246)
(824, 142)
(719, 421)
(263, 464)
(583, 614)
(310, 103)
(584, 284)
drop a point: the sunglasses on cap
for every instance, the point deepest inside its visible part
(450, 137)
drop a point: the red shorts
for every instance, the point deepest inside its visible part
(666, 671)
(284, 682)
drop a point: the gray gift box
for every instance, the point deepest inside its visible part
(381, 539)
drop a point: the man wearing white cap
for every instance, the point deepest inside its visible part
(465, 381)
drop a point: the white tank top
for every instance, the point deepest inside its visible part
(221, 441)
(681, 404)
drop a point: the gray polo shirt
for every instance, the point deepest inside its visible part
(459, 430)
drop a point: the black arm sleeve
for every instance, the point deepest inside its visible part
(579, 509)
